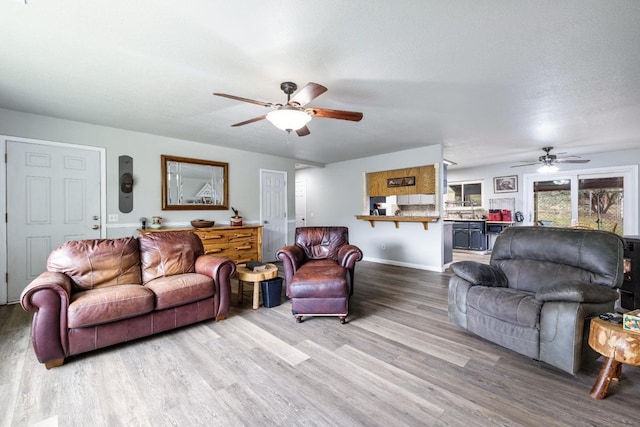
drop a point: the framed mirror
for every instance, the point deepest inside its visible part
(192, 184)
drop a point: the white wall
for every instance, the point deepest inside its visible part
(335, 197)
(487, 173)
(145, 149)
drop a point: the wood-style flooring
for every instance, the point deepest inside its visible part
(397, 362)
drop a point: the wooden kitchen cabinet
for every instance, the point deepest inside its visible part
(425, 181)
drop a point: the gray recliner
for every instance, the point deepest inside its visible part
(539, 291)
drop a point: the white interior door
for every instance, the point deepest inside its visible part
(53, 195)
(301, 203)
(273, 212)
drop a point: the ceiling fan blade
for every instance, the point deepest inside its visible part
(303, 131)
(307, 94)
(335, 114)
(571, 161)
(526, 164)
(246, 122)
(237, 98)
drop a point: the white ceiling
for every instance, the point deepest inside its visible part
(492, 80)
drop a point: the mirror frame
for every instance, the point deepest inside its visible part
(164, 160)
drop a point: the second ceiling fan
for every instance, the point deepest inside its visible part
(547, 161)
(293, 116)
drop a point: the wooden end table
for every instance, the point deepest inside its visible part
(618, 346)
(255, 277)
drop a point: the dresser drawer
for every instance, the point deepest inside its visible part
(215, 247)
(212, 236)
(243, 257)
(242, 235)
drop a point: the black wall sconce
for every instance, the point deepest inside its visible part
(125, 173)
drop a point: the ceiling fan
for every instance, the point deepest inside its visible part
(547, 162)
(293, 115)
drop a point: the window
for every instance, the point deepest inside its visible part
(593, 199)
(465, 194)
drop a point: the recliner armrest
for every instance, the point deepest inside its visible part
(480, 274)
(577, 292)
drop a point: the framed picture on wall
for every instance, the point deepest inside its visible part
(505, 184)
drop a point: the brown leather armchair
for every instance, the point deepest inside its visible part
(319, 271)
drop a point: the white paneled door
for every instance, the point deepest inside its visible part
(273, 210)
(53, 195)
(301, 203)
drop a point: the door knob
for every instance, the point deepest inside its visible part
(95, 226)
(266, 222)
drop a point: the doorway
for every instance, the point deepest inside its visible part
(54, 193)
(273, 212)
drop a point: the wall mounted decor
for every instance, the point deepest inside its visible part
(505, 184)
(194, 184)
(406, 181)
(125, 178)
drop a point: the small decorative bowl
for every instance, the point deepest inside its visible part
(202, 223)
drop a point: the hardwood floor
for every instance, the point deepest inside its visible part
(398, 361)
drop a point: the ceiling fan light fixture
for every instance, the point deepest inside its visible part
(547, 169)
(288, 118)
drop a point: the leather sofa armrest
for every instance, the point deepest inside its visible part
(292, 258)
(220, 270)
(348, 255)
(480, 274)
(59, 283)
(48, 296)
(577, 292)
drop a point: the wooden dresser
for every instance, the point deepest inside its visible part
(238, 243)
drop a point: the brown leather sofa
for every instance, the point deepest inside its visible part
(319, 271)
(96, 293)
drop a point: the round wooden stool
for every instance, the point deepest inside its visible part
(618, 346)
(255, 277)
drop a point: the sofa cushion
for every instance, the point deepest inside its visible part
(108, 304)
(168, 253)
(97, 263)
(180, 289)
(510, 305)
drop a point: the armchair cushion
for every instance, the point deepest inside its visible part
(479, 274)
(509, 305)
(322, 242)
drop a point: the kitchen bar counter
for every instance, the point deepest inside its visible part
(425, 220)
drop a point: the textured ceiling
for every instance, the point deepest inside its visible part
(493, 81)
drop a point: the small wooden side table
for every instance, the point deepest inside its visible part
(618, 346)
(246, 275)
